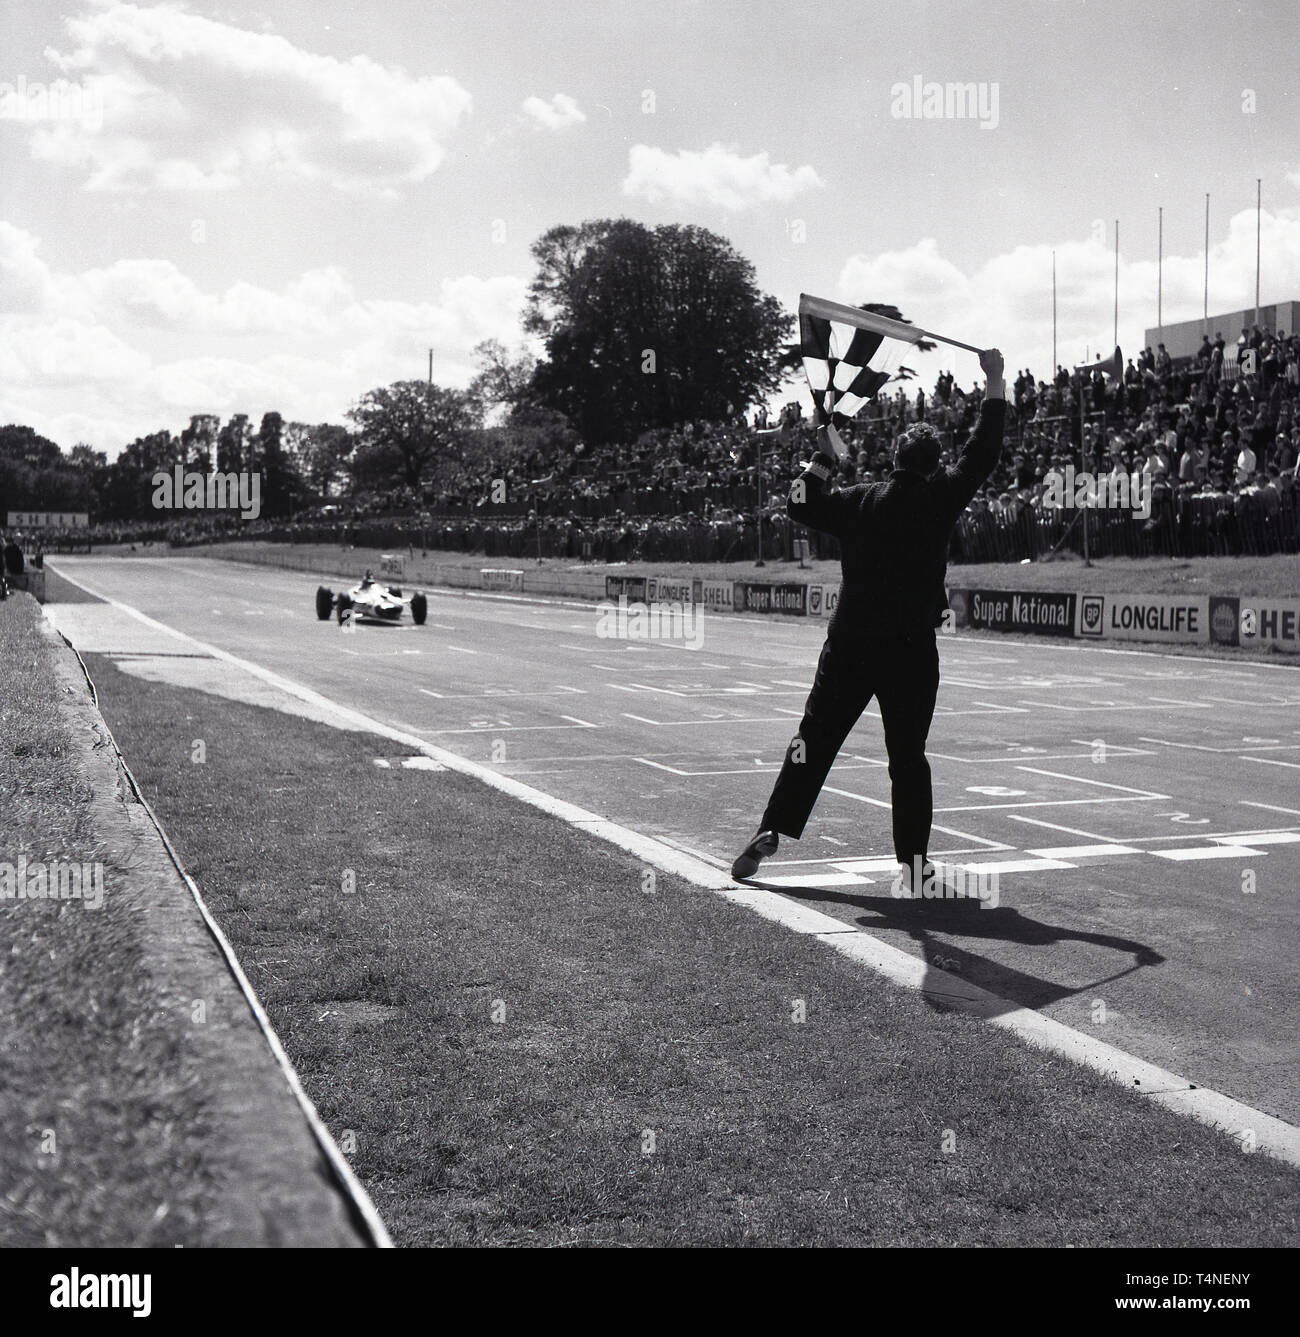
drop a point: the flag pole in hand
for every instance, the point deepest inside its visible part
(868, 320)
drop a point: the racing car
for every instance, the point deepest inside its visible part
(371, 601)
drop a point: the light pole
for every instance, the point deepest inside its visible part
(759, 517)
(533, 485)
(783, 434)
(1114, 369)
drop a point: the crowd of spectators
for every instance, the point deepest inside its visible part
(1208, 446)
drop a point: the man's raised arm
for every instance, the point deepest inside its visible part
(979, 455)
(813, 502)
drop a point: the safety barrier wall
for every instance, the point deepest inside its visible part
(1199, 619)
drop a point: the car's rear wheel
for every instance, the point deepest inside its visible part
(419, 609)
(324, 602)
(344, 608)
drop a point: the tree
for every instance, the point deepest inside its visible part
(321, 454)
(86, 458)
(504, 379)
(36, 476)
(283, 485)
(414, 429)
(127, 491)
(233, 443)
(649, 328)
(199, 442)
(522, 426)
(25, 445)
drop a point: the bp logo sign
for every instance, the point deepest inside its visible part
(1090, 611)
(815, 600)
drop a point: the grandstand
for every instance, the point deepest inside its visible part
(1214, 453)
(1211, 445)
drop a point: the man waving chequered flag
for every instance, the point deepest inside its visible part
(893, 537)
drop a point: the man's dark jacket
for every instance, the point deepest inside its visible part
(894, 535)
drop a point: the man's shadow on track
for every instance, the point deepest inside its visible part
(966, 918)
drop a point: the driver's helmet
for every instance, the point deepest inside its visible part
(368, 579)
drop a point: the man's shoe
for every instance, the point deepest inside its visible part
(914, 875)
(763, 846)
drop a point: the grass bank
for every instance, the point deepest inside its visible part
(100, 1098)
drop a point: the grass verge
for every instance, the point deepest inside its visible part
(520, 1039)
(101, 1121)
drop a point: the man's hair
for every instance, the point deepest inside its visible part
(918, 448)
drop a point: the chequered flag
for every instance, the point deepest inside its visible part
(846, 356)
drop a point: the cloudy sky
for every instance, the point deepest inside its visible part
(278, 205)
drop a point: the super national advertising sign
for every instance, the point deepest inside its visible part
(1173, 619)
(1004, 610)
(625, 587)
(499, 578)
(752, 597)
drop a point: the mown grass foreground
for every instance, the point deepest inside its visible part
(521, 1037)
(102, 1121)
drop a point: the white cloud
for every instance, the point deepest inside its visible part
(190, 103)
(718, 176)
(1007, 301)
(110, 354)
(557, 114)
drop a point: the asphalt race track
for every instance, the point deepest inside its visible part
(1142, 811)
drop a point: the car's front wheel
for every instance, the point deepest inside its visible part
(324, 603)
(419, 609)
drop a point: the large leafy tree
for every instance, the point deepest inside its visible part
(128, 484)
(320, 454)
(234, 444)
(25, 445)
(649, 327)
(199, 442)
(35, 474)
(521, 428)
(414, 429)
(283, 487)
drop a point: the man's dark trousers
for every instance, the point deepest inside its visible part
(902, 673)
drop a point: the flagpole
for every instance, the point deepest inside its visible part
(1258, 198)
(1117, 282)
(1205, 310)
(868, 320)
(1160, 268)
